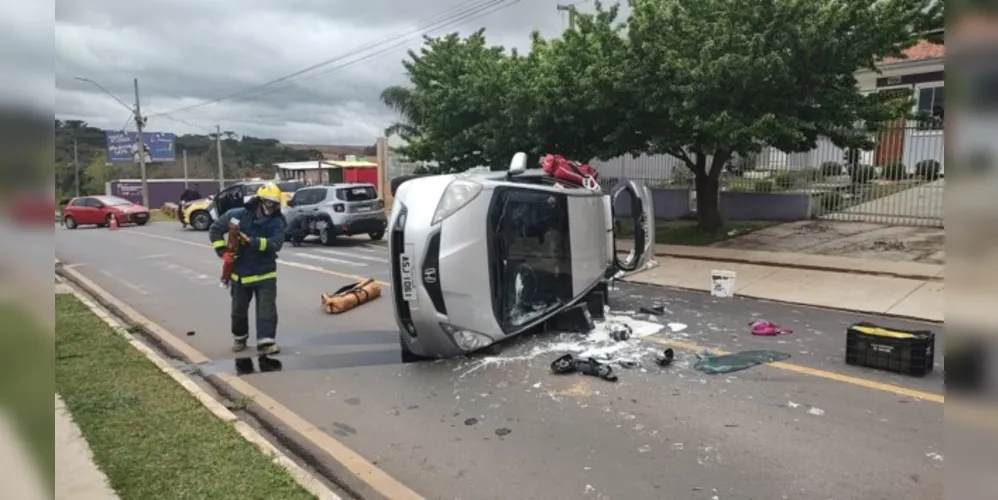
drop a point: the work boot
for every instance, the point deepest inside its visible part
(239, 344)
(268, 349)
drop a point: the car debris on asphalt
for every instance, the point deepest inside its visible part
(767, 329)
(351, 296)
(712, 364)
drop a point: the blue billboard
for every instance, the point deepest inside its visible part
(123, 147)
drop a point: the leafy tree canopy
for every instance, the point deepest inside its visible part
(701, 80)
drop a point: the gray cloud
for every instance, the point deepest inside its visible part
(184, 52)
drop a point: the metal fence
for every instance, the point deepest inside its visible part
(898, 182)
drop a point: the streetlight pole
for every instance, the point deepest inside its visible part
(76, 168)
(218, 148)
(571, 14)
(139, 124)
(142, 146)
(185, 169)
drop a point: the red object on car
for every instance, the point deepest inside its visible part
(100, 210)
(570, 172)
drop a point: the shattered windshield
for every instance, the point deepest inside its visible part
(531, 270)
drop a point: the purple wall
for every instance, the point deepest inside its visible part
(161, 190)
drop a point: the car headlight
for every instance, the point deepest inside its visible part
(467, 340)
(459, 193)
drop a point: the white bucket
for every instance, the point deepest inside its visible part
(722, 283)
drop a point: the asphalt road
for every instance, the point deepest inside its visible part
(507, 428)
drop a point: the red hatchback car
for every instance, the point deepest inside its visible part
(100, 209)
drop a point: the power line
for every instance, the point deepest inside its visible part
(476, 8)
(499, 6)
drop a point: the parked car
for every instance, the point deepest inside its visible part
(479, 258)
(339, 209)
(200, 213)
(100, 210)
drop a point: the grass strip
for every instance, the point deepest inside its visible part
(26, 382)
(686, 232)
(150, 436)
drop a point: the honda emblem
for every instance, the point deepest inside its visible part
(430, 275)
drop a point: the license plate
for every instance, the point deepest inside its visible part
(362, 209)
(405, 273)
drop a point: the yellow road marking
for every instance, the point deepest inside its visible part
(298, 265)
(838, 377)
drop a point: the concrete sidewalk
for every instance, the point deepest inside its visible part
(905, 289)
(76, 475)
(899, 269)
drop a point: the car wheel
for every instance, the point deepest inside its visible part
(69, 222)
(377, 236)
(107, 220)
(326, 236)
(200, 220)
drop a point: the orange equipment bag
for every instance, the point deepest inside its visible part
(351, 296)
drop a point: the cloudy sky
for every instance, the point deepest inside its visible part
(188, 52)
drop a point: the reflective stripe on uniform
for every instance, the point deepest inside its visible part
(263, 244)
(246, 280)
(218, 244)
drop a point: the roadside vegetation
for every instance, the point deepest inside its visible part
(150, 436)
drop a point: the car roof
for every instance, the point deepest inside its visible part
(340, 185)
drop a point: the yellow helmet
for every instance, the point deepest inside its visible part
(270, 192)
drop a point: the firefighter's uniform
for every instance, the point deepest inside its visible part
(254, 274)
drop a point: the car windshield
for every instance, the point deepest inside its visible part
(531, 265)
(113, 201)
(359, 193)
(290, 186)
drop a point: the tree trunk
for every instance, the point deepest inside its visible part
(708, 210)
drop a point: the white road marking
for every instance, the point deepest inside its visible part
(371, 249)
(133, 286)
(187, 272)
(154, 256)
(299, 265)
(344, 254)
(329, 259)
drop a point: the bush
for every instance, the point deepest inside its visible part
(862, 174)
(681, 176)
(785, 180)
(894, 171)
(929, 170)
(831, 169)
(764, 186)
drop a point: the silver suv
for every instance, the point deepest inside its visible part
(339, 209)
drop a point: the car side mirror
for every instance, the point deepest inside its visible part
(292, 202)
(518, 164)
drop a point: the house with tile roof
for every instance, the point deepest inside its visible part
(922, 72)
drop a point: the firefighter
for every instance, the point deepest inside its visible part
(254, 275)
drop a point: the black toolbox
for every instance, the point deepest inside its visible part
(910, 352)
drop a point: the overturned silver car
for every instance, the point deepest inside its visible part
(479, 258)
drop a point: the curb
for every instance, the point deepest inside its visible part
(336, 469)
(805, 267)
(775, 301)
(300, 475)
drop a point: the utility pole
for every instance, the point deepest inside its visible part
(218, 147)
(139, 125)
(571, 14)
(185, 169)
(76, 169)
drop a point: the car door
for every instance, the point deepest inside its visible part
(641, 255)
(227, 199)
(94, 211)
(77, 209)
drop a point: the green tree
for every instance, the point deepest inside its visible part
(711, 78)
(464, 106)
(578, 99)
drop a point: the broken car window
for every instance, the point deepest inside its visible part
(532, 255)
